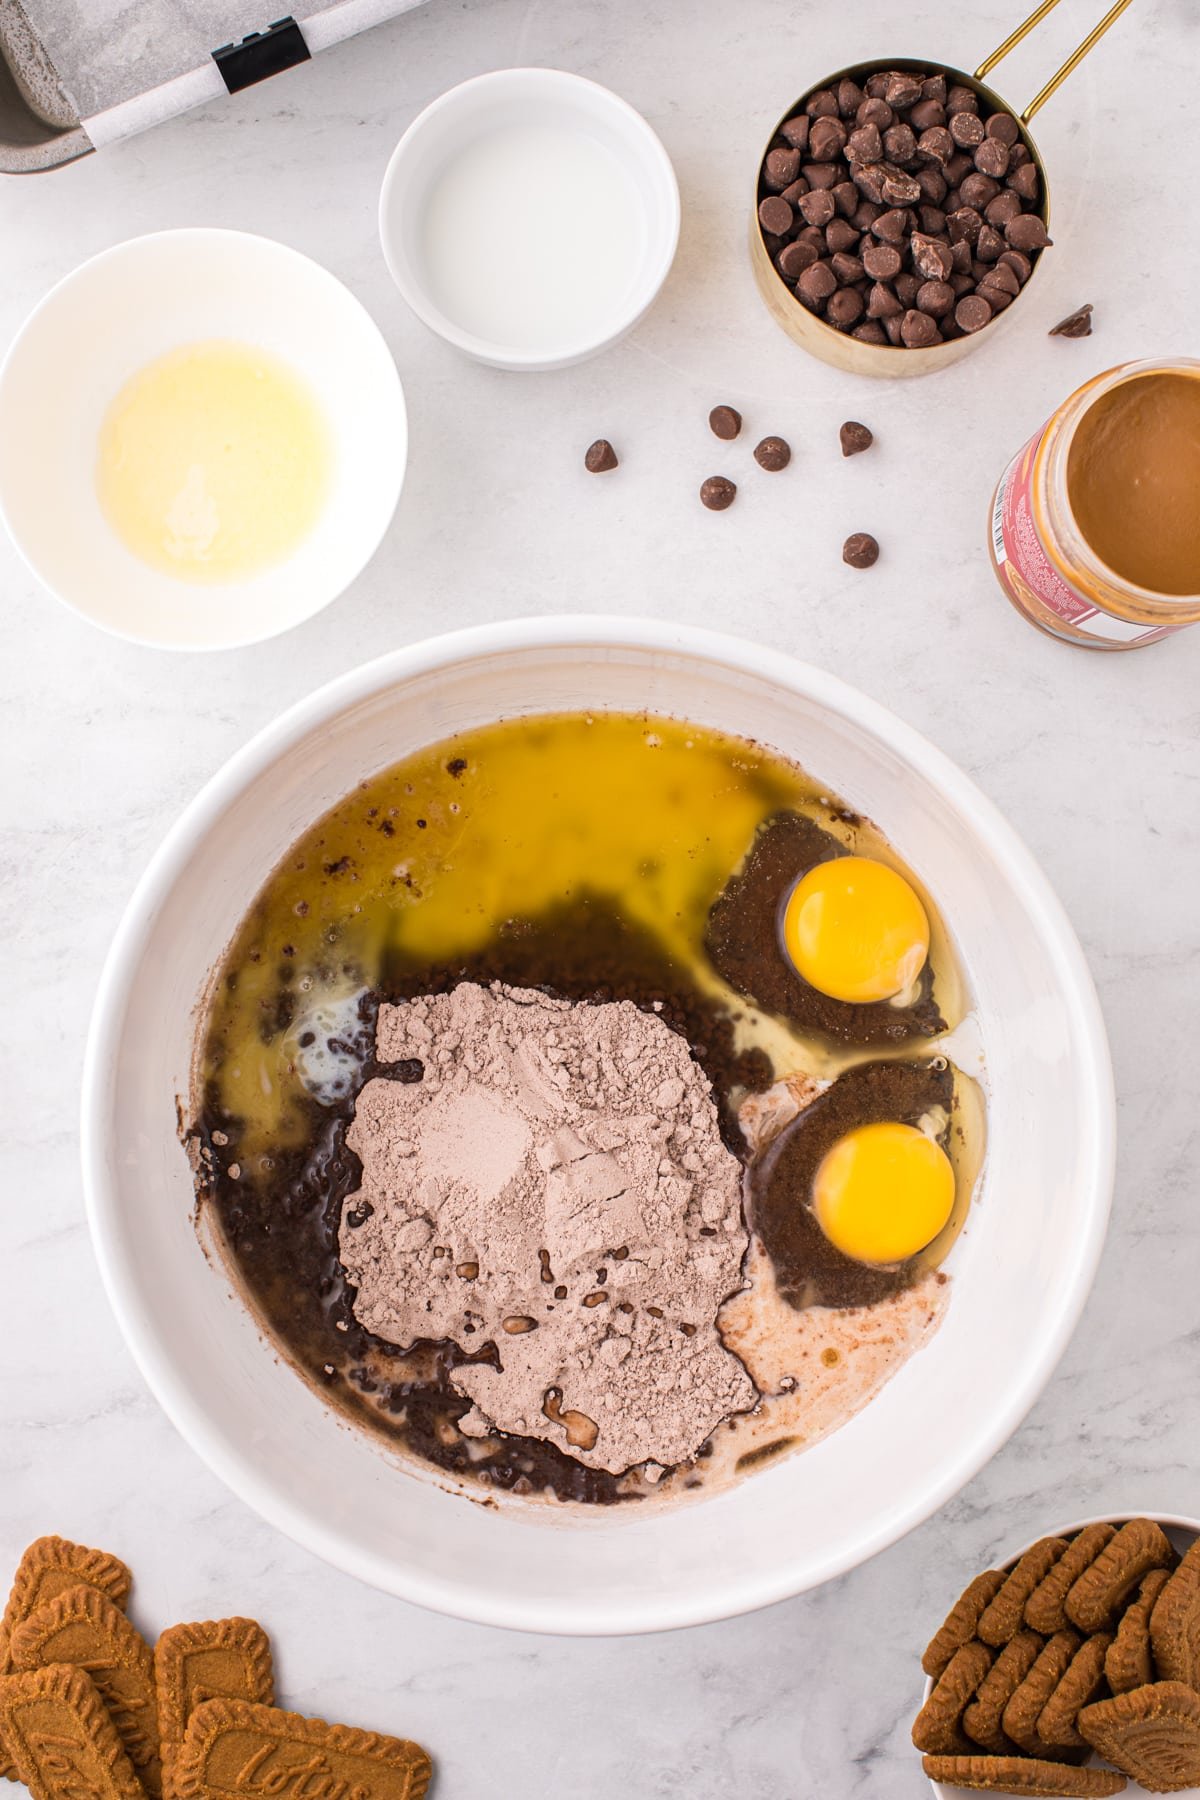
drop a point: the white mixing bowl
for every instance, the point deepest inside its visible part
(1021, 1268)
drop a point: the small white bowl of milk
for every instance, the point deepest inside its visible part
(529, 217)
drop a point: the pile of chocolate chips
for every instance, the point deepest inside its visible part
(900, 211)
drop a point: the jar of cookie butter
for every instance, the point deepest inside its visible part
(1095, 524)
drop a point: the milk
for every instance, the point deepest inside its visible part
(532, 237)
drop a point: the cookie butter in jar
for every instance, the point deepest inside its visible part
(1095, 527)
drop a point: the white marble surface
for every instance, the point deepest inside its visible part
(1096, 759)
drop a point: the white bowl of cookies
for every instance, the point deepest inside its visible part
(1072, 1668)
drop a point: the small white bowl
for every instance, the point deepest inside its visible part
(1021, 1268)
(1182, 1532)
(497, 108)
(122, 310)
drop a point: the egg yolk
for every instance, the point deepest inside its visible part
(883, 1192)
(856, 930)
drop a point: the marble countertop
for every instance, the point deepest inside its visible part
(1095, 759)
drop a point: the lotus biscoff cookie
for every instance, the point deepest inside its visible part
(959, 1625)
(83, 1628)
(1003, 1617)
(1021, 1775)
(938, 1726)
(1081, 1683)
(1044, 1608)
(1024, 1709)
(1152, 1733)
(61, 1738)
(233, 1750)
(217, 1659)
(1130, 1660)
(49, 1566)
(1138, 1547)
(1175, 1623)
(981, 1720)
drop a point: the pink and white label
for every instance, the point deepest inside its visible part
(1018, 549)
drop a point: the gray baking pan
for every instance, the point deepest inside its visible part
(39, 126)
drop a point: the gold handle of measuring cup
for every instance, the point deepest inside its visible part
(1073, 61)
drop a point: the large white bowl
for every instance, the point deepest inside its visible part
(125, 308)
(1022, 1267)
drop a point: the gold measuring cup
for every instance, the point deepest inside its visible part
(845, 352)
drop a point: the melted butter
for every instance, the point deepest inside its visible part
(431, 858)
(213, 462)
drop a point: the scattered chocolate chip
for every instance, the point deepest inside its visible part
(772, 453)
(726, 421)
(1026, 232)
(717, 493)
(1076, 324)
(599, 456)
(855, 437)
(860, 550)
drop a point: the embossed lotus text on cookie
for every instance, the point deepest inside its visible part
(1152, 1733)
(81, 1627)
(227, 1659)
(233, 1750)
(59, 1734)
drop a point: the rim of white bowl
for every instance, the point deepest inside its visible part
(729, 1596)
(80, 272)
(485, 349)
(1172, 1521)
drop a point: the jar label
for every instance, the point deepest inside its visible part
(1029, 576)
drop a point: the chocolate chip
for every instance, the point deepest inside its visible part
(775, 215)
(845, 308)
(897, 187)
(935, 298)
(989, 244)
(991, 158)
(599, 457)
(1004, 207)
(906, 287)
(963, 225)
(1020, 265)
(903, 89)
(869, 332)
(717, 493)
(726, 421)
(797, 189)
(933, 221)
(918, 330)
(822, 174)
(816, 208)
(816, 284)
(997, 297)
(927, 114)
(855, 438)
(1023, 180)
(865, 145)
(875, 111)
(1004, 278)
(826, 139)
(882, 262)
(848, 269)
(1075, 325)
(934, 88)
(773, 453)
(972, 312)
(966, 128)
(792, 261)
(1026, 232)
(822, 104)
(1004, 128)
(932, 183)
(882, 302)
(936, 145)
(962, 100)
(931, 257)
(795, 131)
(860, 550)
(849, 97)
(840, 235)
(893, 226)
(868, 179)
(780, 169)
(900, 143)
